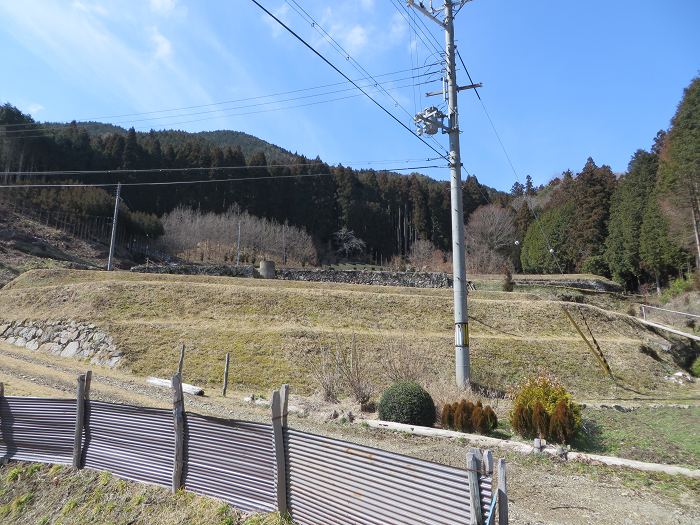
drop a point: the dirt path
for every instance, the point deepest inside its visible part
(542, 490)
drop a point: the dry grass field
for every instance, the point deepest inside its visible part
(42, 495)
(274, 329)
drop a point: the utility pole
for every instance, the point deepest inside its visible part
(114, 227)
(429, 121)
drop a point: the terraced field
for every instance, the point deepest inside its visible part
(275, 328)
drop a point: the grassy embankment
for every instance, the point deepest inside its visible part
(42, 495)
(273, 329)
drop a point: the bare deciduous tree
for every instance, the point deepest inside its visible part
(326, 373)
(490, 236)
(353, 368)
(210, 236)
(421, 255)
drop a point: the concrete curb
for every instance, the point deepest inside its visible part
(523, 448)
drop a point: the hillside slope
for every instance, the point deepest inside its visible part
(274, 329)
(27, 244)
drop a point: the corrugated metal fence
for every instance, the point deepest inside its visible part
(326, 481)
(35, 429)
(337, 482)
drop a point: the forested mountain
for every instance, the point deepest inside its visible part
(642, 227)
(387, 210)
(639, 227)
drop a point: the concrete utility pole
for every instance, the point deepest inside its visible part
(114, 227)
(429, 121)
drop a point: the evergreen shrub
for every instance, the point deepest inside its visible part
(543, 408)
(407, 402)
(465, 416)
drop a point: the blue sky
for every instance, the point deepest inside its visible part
(563, 80)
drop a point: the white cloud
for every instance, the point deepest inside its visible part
(115, 58)
(367, 5)
(163, 7)
(34, 108)
(281, 12)
(354, 40)
(398, 28)
(90, 7)
(163, 49)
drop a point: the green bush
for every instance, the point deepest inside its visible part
(543, 408)
(677, 287)
(407, 402)
(695, 367)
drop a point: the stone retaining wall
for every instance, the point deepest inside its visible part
(198, 269)
(410, 279)
(64, 338)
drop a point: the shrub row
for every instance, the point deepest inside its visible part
(465, 416)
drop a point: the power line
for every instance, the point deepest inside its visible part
(532, 210)
(358, 67)
(223, 111)
(122, 171)
(234, 101)
(180, 182)
(291, 31)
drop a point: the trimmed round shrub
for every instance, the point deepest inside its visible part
(407, 402)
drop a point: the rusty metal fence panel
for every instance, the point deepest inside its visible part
(134, 443)
(34, 429)
(231, 460)
(337, 482)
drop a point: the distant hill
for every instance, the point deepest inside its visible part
(249, 144)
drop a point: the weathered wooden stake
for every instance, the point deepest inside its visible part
(226, 374)
(2, 390)
(182, 360)
(487, 463)
(83, 394)
(502, 493)
(279, 423)
(179, 419)
(473, 470)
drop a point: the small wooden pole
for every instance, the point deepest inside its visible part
(83, 385)
(2, 390)
(182, 360)
(279, 423)
(88, 382)
(179, 420)
(502, 493)
(473, 470)
(487, 463)
(226, 374)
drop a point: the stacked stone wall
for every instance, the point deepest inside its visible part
(63, 338)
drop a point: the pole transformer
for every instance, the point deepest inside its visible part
(114, 227)
(430, 121)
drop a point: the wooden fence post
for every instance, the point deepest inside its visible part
(181, 363)
(502, 493)
(226, 374)
(179, 419)
(279, 423)
(2, 390)
(83, 394)
(473, 471)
